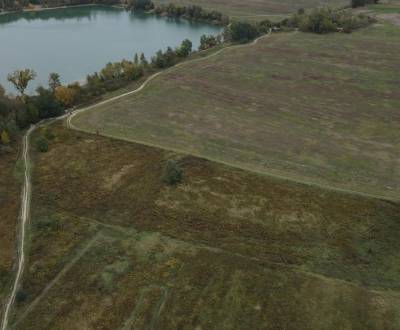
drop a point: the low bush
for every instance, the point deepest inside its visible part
(41, 144)
(172, 173)
(21, 296)
(327, 20)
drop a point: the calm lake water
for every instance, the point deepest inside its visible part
(76, 41)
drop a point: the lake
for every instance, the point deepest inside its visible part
(76, 41)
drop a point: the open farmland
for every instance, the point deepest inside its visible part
(241, 9)
(318, 109)
(9, 203)
(112, 247)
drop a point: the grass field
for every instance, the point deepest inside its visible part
(321, 109)
(112, 247)
(242, 9)
(386, 7)
(9, 204)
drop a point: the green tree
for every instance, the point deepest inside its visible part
(54, 81)
(142, 4)
(32, 113)
(185, 49)
(21, 78)
(143, 60)
(240, 32)
(136, 59)
(47, 103)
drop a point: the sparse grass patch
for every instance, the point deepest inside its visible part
(10, 172)
(225, 249)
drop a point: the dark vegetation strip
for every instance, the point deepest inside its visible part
(19, 112)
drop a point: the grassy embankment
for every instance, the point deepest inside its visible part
(10, 176)
(112, 245)
(321, 109)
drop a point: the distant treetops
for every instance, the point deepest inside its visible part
(191, 12)
(361, 3)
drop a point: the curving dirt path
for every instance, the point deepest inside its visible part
(25, 207)
(26, 192)
(148, 80)
(24, 218)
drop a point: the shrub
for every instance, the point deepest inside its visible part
(41, 144)
(142, 5)
(172, 173)
(210, 41)
(326, 20)
(362, 3)
(240, 32)
(21, 296)
(185, 49)
(5, 138)
(318, 21)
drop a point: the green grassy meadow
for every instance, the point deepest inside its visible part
(319, 109)
(112, 247)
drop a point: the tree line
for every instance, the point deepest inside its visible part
(52, 101)
(319, 20)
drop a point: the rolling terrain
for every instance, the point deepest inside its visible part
(288, 216)
(317, 109)
(112, 247)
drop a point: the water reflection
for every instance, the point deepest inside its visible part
(76, 41)
(77, 13)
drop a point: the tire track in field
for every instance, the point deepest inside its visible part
(24, 218)
(157, 310)
(57, 278)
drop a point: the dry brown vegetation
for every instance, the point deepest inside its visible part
(113, 247)
(9, 210)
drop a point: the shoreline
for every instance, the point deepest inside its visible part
(39, 9)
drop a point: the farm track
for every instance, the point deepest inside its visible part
(24, 216)
(57, 278)
(24, 219)
(26, 192)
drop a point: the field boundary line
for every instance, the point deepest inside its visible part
(152, 77)
(323, 186)
(57, 278)
(251, 170)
